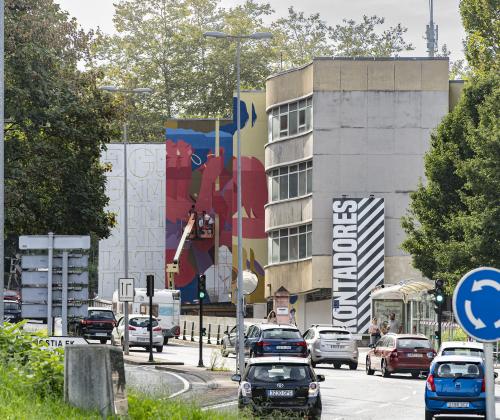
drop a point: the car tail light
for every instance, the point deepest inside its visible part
(157, 329)
(483, 386)
(246, 389)
(431, 386)
(263, 343)
(301, 344)
(313, 389)
(394, 354)
(130, 328)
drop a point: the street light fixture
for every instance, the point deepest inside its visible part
(140, 91)
(239, 285)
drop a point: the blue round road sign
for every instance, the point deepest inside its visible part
(476, 303)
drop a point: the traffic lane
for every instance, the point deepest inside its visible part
(354, 395)
(155, 383)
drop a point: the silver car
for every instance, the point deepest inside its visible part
(228, 342)
(138, 334)
(333, 345)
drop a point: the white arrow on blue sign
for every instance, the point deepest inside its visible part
(476, 303)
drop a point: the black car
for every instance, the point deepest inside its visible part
(12, 311)
(98, 324)
(285, 384)
(276, 340)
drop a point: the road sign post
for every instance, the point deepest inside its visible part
(126, 292)
(150, 291)
(475, 305)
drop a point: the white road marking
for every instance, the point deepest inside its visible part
(221, 405)
(184, 382)
(404, 398)
(384, 405)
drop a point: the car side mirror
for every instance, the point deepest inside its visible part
(321, 378)
(495, 374)
(236, 378)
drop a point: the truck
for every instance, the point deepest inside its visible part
(166, 309)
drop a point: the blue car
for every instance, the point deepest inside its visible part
(455, 385)
(277, 340)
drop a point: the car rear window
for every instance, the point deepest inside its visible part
(278, 373)
(458, 370)
(335, 335)
(101, 315)
(281, 333)
(461, 351)
(413, 343)
(142, 322)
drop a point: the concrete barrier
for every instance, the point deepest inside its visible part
(94, 378)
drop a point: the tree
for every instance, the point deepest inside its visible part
(57, 124)
(453, 223)
(481, 20)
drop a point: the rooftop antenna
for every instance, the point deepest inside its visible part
(431, 33)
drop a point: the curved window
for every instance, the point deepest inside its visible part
(290, 244)
(290, 119)
(290, 181)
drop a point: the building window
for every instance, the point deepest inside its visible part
(290, 181)
(290, 119)
(290, 244)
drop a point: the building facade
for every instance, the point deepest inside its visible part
(345, 134)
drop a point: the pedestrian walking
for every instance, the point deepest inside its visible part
(374, 331)
(292, 320)
(271, 318)
(394, 325)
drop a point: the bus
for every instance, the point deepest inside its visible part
(166, 308)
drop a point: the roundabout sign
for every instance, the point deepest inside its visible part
(476, 304)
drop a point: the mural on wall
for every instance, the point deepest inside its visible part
(199, 172)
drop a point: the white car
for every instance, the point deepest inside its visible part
(461, 348)
(138, 332)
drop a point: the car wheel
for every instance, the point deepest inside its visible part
(383, 368)
(369, 370)
(353, 366)
(428, 415)
(159, 349)
(165, 341)
(103, 340)
(337, 365)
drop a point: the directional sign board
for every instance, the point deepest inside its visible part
(60, 242)
(476, 304)
(126, 290)
(61, 342)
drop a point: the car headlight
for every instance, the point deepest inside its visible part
(313, 389)
(430, 355)
(246, 389)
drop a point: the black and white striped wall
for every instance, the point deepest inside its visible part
(358, 259)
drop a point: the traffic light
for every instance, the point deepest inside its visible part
(439, 291)
(437, 335)
(150, 285)
(203, 332)
(202, 286)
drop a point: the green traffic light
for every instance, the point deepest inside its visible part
(201, 295)
(439, 298)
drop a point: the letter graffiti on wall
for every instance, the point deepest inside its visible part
(358, 259)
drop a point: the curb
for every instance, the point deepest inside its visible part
(205, 377)
(146, 362)
(190, 343)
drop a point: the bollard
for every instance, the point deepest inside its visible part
(218, 334)
(209, 331)
(192, 331)
(184, 331)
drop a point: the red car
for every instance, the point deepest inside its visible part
(400, 353)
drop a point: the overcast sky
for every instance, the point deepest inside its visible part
(414, 14)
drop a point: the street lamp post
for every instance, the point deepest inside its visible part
(143, 91)
(239, 285)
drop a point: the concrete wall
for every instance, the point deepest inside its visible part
(146, 212)
(289, 85)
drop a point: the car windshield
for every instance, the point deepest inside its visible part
(142, 322)
(11, 306)
(462, 351)
(458, 370)
(101, 315)
(335, 335)
(414, 343)
(278, 373)
(281, 333)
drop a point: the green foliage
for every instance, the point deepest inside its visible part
(481, 20)
(453, 224)
(57, 123)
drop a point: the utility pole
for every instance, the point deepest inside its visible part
(431, 33)
(202, 292)
(2, 159)
(150, 291)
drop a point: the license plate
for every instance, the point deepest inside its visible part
(458, 404)
(415, 355)
(282, 393)
(101, 334)
(283, 347)
(337, 347)
(142, 339)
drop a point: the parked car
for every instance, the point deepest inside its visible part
(98, 324)
(329, 344)
(286, 384)
(228, 342)
(276, 340)
(455, 385)
(461, 348)
(400, 353)
(138, 333)
(12, 311)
